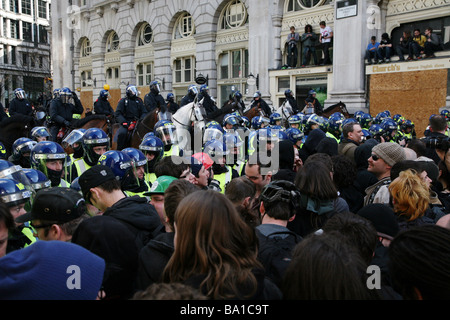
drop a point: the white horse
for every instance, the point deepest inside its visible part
(285, 110)
(191, 113)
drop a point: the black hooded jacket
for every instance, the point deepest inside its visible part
(111, 240)
(311, 143)
(286, 161)
(153, 259)
(138, 215)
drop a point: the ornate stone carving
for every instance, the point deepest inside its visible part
(405, 6)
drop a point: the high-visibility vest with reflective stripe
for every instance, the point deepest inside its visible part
(239, 167)
(150, 177)
(28, 232)
(64, 184)
(251, 139)
(224, 178)
(330, 135)
(174, 150)
(81, 166)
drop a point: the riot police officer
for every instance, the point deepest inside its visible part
(190, 96)
(129, 109)
(154, 100)
(20, 105)
(209, 104)
(102, 105)
(172, 106)
(290, 98)
(62, 110)
(259, 101)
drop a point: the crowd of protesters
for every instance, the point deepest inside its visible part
(307, 208)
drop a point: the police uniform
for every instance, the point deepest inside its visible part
(128, 110)
(61, 113)
(224, 178)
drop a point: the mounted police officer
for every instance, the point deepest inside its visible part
(154, 100)
(62, 111)
(20, 104)
(292, 102)
(172, 106)
(311, 98)
(208, 102)
(190, 96)
(129, 109)
(102, 105)
(259, 101)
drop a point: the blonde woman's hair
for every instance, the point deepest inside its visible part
(410, 195)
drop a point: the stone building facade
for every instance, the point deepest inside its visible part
(232, 43)
(24, 48)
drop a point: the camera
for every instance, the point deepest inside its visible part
(441, 143)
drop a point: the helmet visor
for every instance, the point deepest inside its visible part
(193, 89)
(65, 98)
(167, 134)
(212, 134)
(73, 137)
(20, 94)
(25, 147)
(16, 173)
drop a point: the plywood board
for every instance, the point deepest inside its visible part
(415, 95)
(86, 100)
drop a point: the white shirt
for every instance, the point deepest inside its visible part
(326, 32)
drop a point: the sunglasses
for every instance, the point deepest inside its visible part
(375, 157)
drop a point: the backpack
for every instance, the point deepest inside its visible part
(275, 253)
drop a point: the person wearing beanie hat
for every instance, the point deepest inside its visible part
(385, 222)
(389, 152)
(383, 218)
(383, 157)
(201, 174)
(51, 270)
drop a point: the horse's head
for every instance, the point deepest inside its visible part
(198, 113)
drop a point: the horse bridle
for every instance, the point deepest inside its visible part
(186, 125)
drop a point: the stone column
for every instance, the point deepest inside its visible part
(162, 65)
(206, 59)
(98, 72)
(260, 46)
(277, 58)
(351, 36)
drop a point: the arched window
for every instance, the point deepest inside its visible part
(86, 48)
(184, 27)
(234, 15)
(296, 5)
(145, 35)
(112, 44)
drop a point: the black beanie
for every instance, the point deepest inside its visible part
(383, 218)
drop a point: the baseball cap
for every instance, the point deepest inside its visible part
(93, 177)
(160, 185)
(56, 204)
